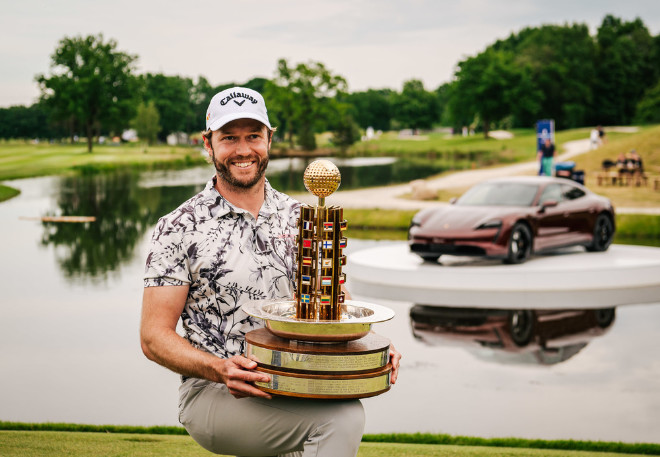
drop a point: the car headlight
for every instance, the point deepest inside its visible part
(496, 223)
(414, 223)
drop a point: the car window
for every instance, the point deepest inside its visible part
(571, 192)
(499, 194)
(551, 192)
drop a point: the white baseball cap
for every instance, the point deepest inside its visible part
(236, 103)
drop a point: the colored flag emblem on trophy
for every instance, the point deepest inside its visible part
(326, 263)
(307, 225)
(306, 279)
(327, 244)
(306, 260)
(306, 243)
(327, 226)
(342, 243)
(304, 298)
(326, 281)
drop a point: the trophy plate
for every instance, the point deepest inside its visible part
(327, 387)
(358, 356)
(356, 320)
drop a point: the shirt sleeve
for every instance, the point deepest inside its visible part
(167, 261)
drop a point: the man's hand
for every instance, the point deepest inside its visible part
(161, 308)
(238, 375)
(395, 360)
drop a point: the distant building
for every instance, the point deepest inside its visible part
(178, 138)
(129, 135)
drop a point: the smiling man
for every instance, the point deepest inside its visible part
(232, 243)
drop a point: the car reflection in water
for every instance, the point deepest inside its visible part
(519, 336)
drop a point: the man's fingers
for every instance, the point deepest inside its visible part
(395, 360)
(241, 369)
(240, 389)
(244, 362)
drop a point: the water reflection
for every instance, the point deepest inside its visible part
(511, 336)
(123, 212)
(287, 174)
(127, 203)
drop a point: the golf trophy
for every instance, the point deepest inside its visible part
(320, 344)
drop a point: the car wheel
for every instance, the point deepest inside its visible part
(521, 323)
(603, 234)
(429, 257)
(520, 244)
(604, 317)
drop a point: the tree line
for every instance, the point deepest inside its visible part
(552, 71)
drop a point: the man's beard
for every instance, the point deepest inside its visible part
(230, 179)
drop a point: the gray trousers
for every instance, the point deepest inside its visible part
(252, 426)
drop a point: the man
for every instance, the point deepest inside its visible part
(231, 243)
(546, 155)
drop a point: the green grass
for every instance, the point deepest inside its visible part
(78, 444)
(393, 224)
(73, 440)
(439, 145)
(22, 159)
(7, 192)
(647, 144)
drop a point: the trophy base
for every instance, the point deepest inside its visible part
(350, 369)
(327, 387)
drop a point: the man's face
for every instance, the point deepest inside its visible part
(240, 152)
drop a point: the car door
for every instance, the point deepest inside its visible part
(552, 224)
(577, 212)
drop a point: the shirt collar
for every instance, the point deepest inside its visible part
(221, 207)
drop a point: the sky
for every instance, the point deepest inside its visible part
(371, 43)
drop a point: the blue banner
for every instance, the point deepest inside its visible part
(545, 128)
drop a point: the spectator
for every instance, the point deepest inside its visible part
(594, 139)
(546, 156)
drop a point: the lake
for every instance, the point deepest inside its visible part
(70, 352)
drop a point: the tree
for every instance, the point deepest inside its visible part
(173, 98)
(201, 94)
(648, 109)
(415, 107)
(27, 122)
(304, 95)
(372, 108)
(91, 83)
(147, 122)
(345, 131)
(626, 67)
(484, 86)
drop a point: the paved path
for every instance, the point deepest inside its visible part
(390, 197)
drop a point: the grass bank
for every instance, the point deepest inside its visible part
(647, 144)
(393, 225)
(7, 192)
(20, 159)
(45, 440)
(475, 149)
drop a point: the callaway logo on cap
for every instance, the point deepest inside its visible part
(236, 103)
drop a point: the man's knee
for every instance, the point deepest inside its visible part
(355, 418)
(348, 421)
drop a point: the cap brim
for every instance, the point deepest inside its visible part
(219, 123)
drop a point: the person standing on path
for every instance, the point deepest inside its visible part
(546, 156)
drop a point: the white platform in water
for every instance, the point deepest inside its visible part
(570, 278)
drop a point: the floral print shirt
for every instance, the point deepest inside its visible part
(227, 258)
